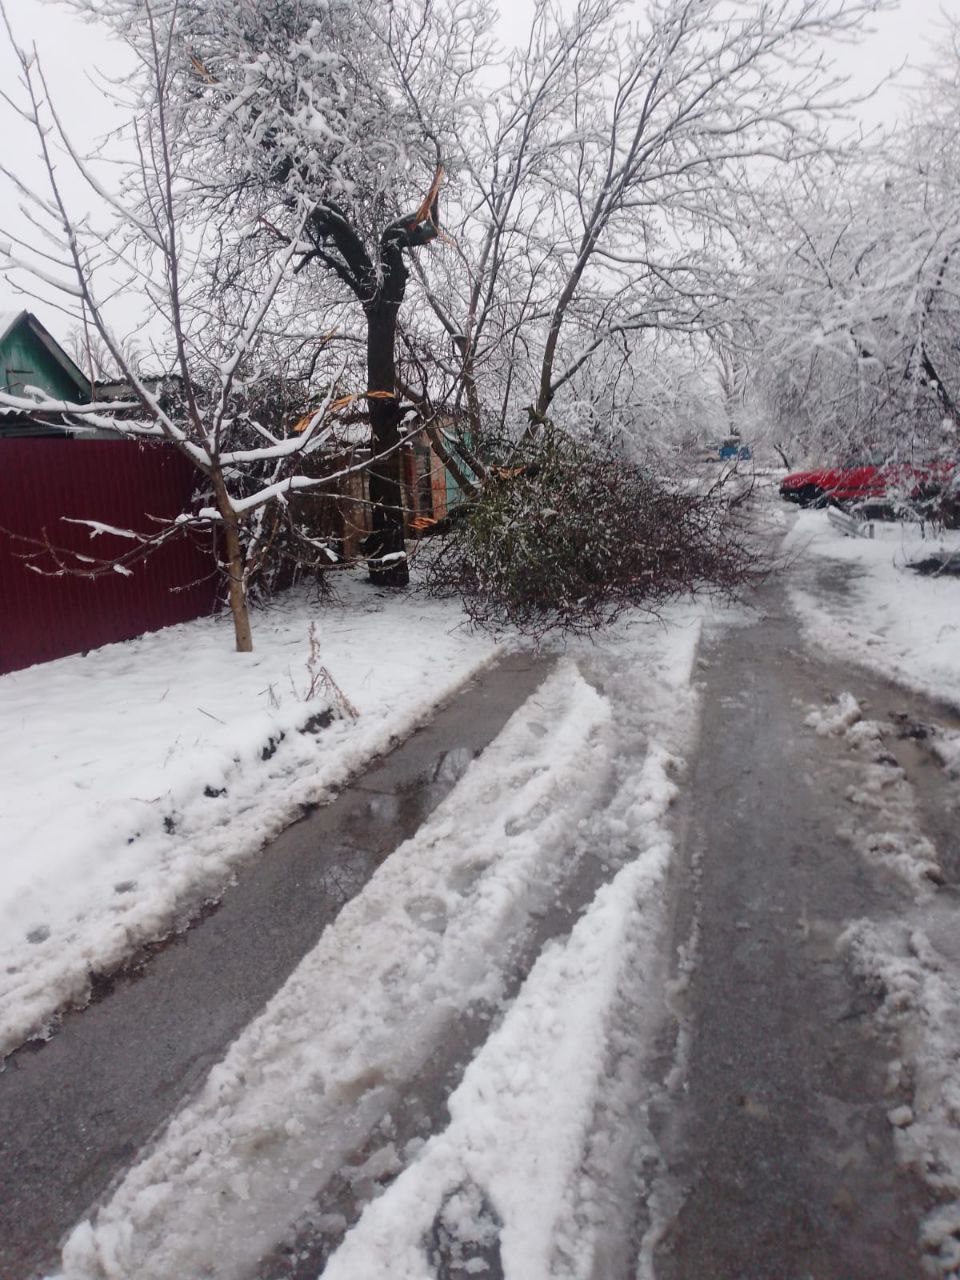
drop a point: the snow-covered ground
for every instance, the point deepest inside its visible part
(876, 612)
(135, 780)
(539, 1110)
(882, 823)
(532, 1159)
(880, 613)
(913, 963)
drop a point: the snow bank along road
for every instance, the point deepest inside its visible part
(138, 778)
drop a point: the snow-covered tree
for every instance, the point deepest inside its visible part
(613, 180)
(858, 297)
(249, 462)
(599, 180)
(860, 326)
(324, 125)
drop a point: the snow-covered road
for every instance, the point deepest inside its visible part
(576, 776)
(539, 1044)
(777, 1142)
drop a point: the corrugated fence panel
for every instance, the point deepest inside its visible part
(119, 483)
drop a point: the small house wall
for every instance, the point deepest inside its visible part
(25, 361)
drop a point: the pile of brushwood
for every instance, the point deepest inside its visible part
(564, 536)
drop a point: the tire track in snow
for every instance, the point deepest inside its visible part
(298, 1102)
(537, 1173)
(304, 1084)
(74, 1111)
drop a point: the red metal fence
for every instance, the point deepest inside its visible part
(120, 483)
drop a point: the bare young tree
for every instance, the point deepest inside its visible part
(91, 354)
(326, 126)
(151, 241)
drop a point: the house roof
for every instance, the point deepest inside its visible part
(9, 320)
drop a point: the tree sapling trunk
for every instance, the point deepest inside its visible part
(236, 592)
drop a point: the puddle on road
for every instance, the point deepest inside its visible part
(837, 580)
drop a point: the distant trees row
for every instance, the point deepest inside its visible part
(855, 331)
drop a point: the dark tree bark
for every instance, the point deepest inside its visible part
(379, 285)
(385, 476)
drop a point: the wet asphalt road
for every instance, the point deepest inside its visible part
(75, 1110)
(778, 1147)
(776, 1151)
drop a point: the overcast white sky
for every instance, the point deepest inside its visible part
(72, 51)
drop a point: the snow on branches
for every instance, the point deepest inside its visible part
(504, 242)
(857, 289)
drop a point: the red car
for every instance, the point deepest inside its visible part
(880, 483)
